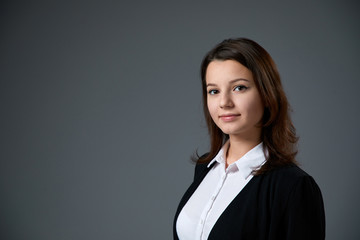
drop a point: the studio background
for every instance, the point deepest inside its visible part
(101, 108)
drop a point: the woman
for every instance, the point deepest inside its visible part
(248, 186)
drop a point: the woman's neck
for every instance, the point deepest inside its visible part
(238, 147)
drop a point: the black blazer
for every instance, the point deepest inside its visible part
(285, 203)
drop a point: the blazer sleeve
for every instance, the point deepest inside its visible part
(304, 214)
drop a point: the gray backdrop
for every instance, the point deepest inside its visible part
(101, 108)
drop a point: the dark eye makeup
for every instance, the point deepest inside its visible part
(240, 88)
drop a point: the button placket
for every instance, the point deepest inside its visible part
(211, 202)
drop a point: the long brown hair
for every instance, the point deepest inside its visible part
(278, 132)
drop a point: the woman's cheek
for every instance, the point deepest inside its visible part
(213, 113)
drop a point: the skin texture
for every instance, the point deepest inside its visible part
(235, 105)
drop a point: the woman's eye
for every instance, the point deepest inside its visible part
(212, 92)
(240, 88)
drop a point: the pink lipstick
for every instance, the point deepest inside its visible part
(229, 117)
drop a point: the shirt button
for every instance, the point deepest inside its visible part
(213, 198)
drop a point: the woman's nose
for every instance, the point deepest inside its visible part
(226, 101)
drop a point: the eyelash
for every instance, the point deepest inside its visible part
(240, 87)
(213, 91)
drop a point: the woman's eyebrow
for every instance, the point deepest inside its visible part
(211, 85)
(231, 81)
(239, 79)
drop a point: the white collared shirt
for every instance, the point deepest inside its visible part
(219, 187)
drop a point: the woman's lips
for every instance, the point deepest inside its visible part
(229, 117)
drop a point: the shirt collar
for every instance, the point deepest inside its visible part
(251, 161)
(220, 157)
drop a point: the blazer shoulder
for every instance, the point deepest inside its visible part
(291, 171)
(301, 200)
(200, 167)
(287, 177)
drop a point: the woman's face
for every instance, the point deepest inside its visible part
(233, 100)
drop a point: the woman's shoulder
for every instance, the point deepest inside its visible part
(200, 166)
(289, 178)
(290, 171)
